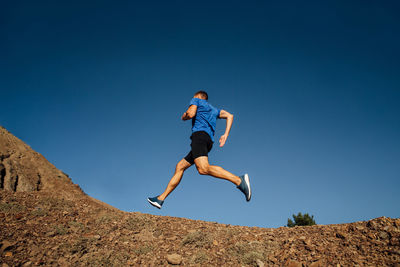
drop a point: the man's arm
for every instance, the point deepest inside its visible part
(229, 120)
(190, 113)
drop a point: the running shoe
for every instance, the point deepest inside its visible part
(245, 186)
(155, 202)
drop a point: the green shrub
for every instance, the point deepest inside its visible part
(301, 220)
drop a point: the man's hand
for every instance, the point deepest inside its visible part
(229, 120)
(222, 140)
(184, 116)
(190, 113)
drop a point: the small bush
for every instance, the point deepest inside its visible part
(247, 253)
(39, 212)
(143, 249)
(301, 220)
(56, 204)
(11, 207)
(200, 257)
(138, 222)
(251, 258)
(60, 229)
(104, 219)
(229, 233)
(77, 227)
(105, 258)
(198, 239)
(80, 247)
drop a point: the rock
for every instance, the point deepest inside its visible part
(5, 245)
(360, 228)
(215, 243)
(259, 263)
(8, 254)
(174, 259)
(62, 262)
(97, 237)
(341, 235)
(26, 264)
(383, 235)
(5, 265)
(294, 264)
(23, 169)
(394, 241)
(51, 233)
(371, 236)
(372, 225)
(2, 174)
(145, 235)
(317, 264)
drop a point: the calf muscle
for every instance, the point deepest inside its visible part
(204, 168)
(176, 178)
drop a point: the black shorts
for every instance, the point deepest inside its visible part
(201, 145)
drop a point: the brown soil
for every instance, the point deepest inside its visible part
(54, 223)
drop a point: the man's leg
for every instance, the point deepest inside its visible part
(176, 178)
(205, 168)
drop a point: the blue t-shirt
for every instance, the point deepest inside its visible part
(206, 117)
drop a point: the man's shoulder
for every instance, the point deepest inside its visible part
(199, 102)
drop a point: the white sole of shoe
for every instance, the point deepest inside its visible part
(247, 180)
(155, 204)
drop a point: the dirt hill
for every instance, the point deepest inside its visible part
(47, 220)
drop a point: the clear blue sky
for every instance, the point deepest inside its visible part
(98, 87)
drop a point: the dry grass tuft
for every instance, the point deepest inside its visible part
(143, 249)
(56, 204)
(138, 222)
(77, 227)
(11, 207)
(247, 253)
(60, 229)
(197, 239)
(200, 258)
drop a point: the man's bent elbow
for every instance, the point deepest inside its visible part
(191, 115)
(225, 115)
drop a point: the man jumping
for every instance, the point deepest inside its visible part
(204, 118)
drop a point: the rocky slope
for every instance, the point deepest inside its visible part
(24, 170)
(47, 220)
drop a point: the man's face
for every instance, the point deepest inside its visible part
(199, 96)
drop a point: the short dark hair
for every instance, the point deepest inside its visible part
(203, 94)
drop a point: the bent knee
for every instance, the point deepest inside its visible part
(181, 166)
(203, 170)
